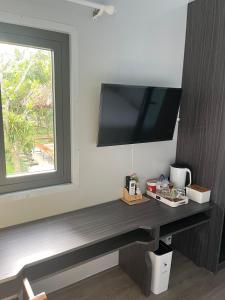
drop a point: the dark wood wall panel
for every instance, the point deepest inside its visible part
(193, 243)
(201, 136)
(199, 64)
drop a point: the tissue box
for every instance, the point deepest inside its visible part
(198, 194)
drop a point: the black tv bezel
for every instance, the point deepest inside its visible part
(131, 142)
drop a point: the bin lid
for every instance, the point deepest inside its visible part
(163, 249)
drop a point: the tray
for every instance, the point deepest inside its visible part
(184, 200)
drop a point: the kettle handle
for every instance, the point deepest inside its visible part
(190, 179)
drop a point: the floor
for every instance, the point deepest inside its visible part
(187, 282)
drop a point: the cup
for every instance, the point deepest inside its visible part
(151, 187)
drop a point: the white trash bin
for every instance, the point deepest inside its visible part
(161, 263)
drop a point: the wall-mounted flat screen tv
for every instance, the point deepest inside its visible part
(137, 114)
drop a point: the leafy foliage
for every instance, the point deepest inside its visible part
(26, 94)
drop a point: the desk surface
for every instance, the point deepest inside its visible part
(42, 240)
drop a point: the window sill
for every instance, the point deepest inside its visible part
(45, 191)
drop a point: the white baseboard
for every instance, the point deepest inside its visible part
(76, 274)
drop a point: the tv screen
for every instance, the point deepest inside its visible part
(137, 114)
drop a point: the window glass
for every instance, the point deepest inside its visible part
(27, 95)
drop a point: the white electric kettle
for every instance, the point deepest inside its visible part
(178, 176)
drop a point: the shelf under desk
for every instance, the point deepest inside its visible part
(47, 246)
(184, 224)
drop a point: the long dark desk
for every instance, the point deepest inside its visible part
(42, 248)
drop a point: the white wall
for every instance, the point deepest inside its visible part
(141, 44)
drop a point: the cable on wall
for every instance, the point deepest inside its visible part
(132, 158)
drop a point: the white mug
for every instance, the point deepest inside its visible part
(178, 176)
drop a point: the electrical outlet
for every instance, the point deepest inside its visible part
(167, 240)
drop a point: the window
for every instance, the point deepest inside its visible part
(34, 108)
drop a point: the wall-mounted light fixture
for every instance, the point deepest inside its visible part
(99, 9)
